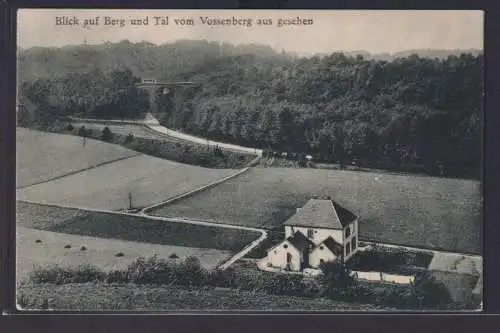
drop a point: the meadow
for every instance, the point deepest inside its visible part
(44, 248)
(44, 156)
(148, 180)
(91, 296)
(420, 211)
(130, 228)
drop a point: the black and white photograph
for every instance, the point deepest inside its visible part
(181, 161)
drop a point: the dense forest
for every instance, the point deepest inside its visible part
(411, 113)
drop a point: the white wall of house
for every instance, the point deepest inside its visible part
(349, 240)
(319, 234)
(277, 256)
(319, 254)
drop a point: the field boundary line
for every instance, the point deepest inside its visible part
(81, 170)
(146, 210)
(225, 265)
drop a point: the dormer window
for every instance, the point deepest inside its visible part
(347, 232)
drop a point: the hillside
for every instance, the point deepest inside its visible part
(412, 113)
(144, 59)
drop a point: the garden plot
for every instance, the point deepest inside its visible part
(135, 182)
(100, 252)
(44, 156)
(418, 211)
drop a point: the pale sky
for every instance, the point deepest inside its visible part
(332, 30)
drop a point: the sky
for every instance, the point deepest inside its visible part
(330, 31)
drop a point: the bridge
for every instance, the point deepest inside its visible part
(176, 88)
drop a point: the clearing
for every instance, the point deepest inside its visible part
(100, 252)
(131, 228)
(148, 179)
(42, 156)
(419, 211)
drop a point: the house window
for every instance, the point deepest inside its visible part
(353, 242)
(321, 261)
(288, 258)
(347, 248)
(321, 247)
(310, 233)
(347, 232)
(285, 246)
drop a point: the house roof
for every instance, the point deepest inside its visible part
(298, 240)
(333, 246)
(322, 213)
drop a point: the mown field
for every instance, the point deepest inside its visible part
(100, 252)
(130, 228)
(42, 156)
(148, 179)
(416, 211)
(90, 296)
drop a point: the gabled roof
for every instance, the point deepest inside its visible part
(300, 242)
(322, 213)
(333, 246)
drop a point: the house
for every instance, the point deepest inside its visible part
(322, 230)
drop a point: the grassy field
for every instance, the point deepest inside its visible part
(410, 210)
(131, 228)
(144, 297)
(42, 156)
(99, 252)
(149, 180)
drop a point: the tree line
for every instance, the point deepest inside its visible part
(411, 113)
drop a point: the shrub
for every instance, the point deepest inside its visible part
(119, 254)
(38, 241)
(70, 127)
(129, 138)
(67, 246)
(83, 248)
(82, 131)
(59, 275)
(173, 256)
(106, 134)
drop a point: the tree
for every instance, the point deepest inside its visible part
(426, 292)
(106, 134)
(335, 277)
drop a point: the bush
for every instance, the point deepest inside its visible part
(59, 275)
(83, 248)
(38, 241)
(129, 138)
(173, 256)
(119, 254)
(67, 246)
(82, 131)
(106, 134)
(70, 127)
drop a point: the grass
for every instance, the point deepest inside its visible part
(148, 179)
(459, 286)
(98, 297)
(100, 252)
(415, 211)
(132, 228)
(42, 156)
